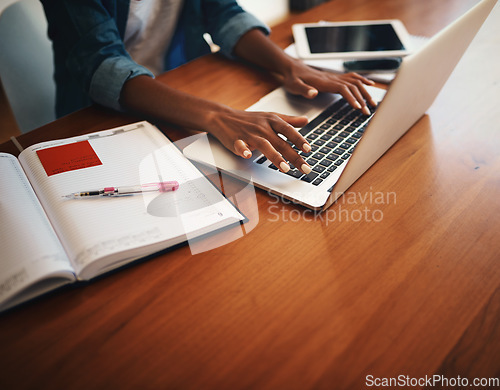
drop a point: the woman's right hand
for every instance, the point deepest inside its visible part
(240, 131)
(243, 132)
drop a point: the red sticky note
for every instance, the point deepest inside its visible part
(71, 157)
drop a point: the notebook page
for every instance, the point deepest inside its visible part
(116, 228)
(30, 249)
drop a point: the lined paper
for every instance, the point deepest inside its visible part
(30, 249)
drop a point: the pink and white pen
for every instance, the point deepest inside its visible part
(164, 186)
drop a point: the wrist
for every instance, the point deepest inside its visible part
(211, 117)
(285, 65)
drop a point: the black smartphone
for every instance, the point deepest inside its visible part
(376, 65)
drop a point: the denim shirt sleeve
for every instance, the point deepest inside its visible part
(108, 65)
(234, 29)
(85, 34)
(100, 57)
(106, 90)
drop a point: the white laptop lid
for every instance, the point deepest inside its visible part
(405, 102)
(420, 78)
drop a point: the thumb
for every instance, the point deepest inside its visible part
(241, 149)
(295, 121)
(298, 87)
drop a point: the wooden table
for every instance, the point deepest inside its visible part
(411, 289)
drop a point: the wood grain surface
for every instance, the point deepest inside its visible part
(399, 278)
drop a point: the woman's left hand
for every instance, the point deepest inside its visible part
(301, 79)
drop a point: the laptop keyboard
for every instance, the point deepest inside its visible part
(333, 135)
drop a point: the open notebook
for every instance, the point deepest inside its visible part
(48, 240)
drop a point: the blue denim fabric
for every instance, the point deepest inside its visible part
(91, 63)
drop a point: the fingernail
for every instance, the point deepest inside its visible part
(366, 111)
(312, 92)
(306, 168)
(357, 105)
(247, 153)
(306, 148)
(284, 167)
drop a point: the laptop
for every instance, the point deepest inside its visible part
(346, 143)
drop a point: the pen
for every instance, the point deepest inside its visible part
(164, 186)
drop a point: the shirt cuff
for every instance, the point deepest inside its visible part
(109, 78)
(235, 28)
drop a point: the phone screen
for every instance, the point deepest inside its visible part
(372, 65)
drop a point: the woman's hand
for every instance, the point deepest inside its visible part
(301, 79)
(245, 131)
(239, 131)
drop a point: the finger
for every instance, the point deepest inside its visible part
(351, 91)
(286, 150)
(368, 97)
(295, 121)
(272, 154)
(292, 156)
(359, 97)
(299, 87)
(361, 81)
(347, 94)
(298, 162)
(241, 149)
(290, 133)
